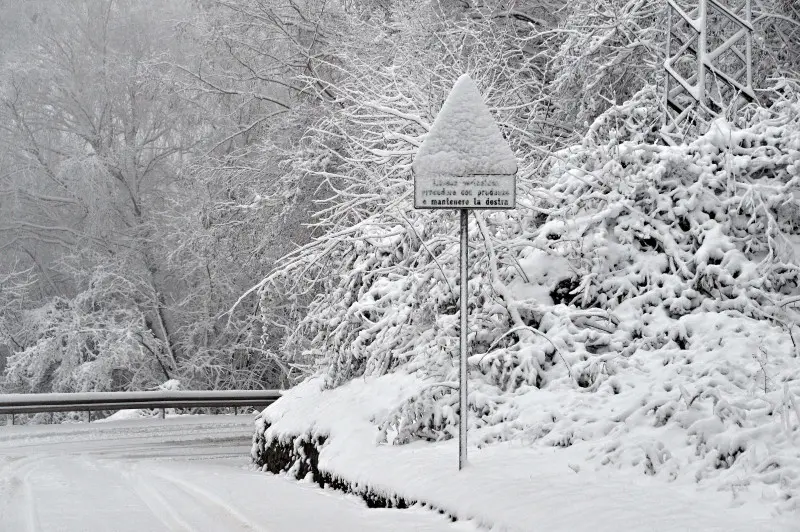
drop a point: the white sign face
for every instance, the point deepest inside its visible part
(465, 192)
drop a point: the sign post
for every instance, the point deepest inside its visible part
(463, 370)
(464, 163)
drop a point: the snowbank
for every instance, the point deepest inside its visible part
(508, 486)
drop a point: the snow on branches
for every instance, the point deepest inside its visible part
(636, 283)
(96, 341)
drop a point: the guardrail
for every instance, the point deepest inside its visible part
(13, 404)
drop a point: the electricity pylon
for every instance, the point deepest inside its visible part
(709, 64)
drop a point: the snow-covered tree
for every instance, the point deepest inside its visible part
(619, 245)
(91, 135)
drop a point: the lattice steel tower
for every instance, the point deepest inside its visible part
(709, 62)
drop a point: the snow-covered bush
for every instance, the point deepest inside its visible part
(96, 341)
(637, 288)
(602, 52)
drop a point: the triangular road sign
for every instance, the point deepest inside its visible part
(464, 161)
(464, 138)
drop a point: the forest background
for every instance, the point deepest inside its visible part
(180, 182)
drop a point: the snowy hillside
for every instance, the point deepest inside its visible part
(639, 306)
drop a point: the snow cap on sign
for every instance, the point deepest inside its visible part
(464, 138)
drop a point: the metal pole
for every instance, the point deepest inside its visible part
(749, 46)
(666, 61)
(462, 374)
(701, 53)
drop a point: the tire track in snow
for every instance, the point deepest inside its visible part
(71, 493)
(14, 463)
(161, 493)
(152, 498)
(32, 519)
(204, 499)
(17, 500)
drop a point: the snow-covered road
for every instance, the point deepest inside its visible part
(185, 473)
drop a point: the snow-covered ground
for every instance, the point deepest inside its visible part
(187, 473)
(511, 486)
